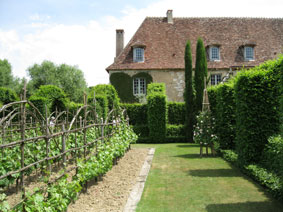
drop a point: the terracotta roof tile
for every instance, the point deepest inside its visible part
(165, 43)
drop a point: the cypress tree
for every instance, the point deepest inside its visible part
(188, 93)
(200, 74)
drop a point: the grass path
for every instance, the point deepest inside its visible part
(181, 181)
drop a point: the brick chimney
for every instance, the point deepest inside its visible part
(119, 41)
(169, 16)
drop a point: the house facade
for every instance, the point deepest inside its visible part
(156, 51)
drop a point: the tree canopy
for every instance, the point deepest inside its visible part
(68, 78)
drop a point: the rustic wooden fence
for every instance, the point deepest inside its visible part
(23, 128)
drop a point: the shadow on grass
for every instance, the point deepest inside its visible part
(195, 156)
(245, 207)
(188, 145)
(190, 156)
(214, 173)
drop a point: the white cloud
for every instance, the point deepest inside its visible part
(92, 46)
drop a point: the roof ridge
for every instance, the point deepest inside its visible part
(199, 17)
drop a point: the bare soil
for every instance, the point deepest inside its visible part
(112, 192)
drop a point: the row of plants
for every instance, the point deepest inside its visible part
(60, 194)
(11, 157)
(244, 123)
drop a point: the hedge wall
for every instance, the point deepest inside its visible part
(156, 116)
(40, 102)
(108, 91)
(156, 88)
(175, 131)
(225, 116)
(101, 105)
(176, 113)
(55, 96)
(257, 102)
(273, 155)
(137, 113)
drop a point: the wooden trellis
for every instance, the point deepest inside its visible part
(18, 119)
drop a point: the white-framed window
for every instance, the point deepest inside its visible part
(249, 53)
(215, 79)
(138, 54)
(139, 86)
(214, 53)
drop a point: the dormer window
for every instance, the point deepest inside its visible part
(249, 53)
(138, 54)
(214, 53)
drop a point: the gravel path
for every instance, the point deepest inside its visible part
(112, 192)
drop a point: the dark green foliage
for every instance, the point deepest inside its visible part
(123, 83)
(7, 95)
(200, 73)
(156, 116)
(40, 102)
(137, 113)
(68, 78)
(108, 91)
(257, 116)
(189, 94)
(212, 94)
(175, 131)
(281, 100)
(176, 113)
(56, 97)
(265, 177)
(141, 130)
(101, 105)
(72, 108)
(156, 88)
(225, 116)
(273, 155)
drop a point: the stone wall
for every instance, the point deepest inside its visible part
(173, 79)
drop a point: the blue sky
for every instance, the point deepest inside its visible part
(82, 32)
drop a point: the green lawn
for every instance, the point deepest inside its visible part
(179, 180)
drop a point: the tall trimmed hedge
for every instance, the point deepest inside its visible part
(257, 114)
(101, 105)
(156, 116)
(225, 116)
(176, 113)
(106, 90)
(40, 102)
(157, 112)
(55, 96)
(156, 88)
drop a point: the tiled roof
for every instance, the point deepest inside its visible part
(165, 43)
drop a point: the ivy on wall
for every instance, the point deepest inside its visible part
(123, 83)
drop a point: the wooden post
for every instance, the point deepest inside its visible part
(63, 145)
(47, 144)
(102, 129)
(23, 123)
(84, 124)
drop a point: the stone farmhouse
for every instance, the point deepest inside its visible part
(156, 51)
